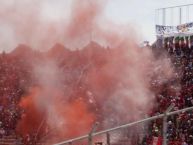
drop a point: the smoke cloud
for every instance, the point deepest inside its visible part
(107, 79)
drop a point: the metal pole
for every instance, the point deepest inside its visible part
(187, 14)
(155, 17)
(180, 15)
(158, 17)
(172, 16)
(164, 17)
(165, 130)
(91, 133)
(125, 125)
(90, 139)
(165, 123)
(108, 139)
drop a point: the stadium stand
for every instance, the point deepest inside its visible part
(180, 127)
(15, 74)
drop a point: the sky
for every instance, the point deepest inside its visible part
(141, 13)
(138, 13)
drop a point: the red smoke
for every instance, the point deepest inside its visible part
(73, 89)
(74, 117)
(31, 117)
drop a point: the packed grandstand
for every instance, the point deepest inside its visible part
(31, 102)
(16, 76)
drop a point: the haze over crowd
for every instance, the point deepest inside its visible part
(18, 16)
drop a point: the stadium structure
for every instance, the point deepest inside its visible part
(174, 25)
(170, 122)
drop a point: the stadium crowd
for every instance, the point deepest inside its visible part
(177, 91)
(15, 77)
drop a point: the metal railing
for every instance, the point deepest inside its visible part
(107, 131)
(178, 6)
(179, 14)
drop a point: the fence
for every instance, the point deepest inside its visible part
(108, 132)
(176, 15)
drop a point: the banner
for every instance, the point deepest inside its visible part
(171, 30)
(185, 28)
(165, 30)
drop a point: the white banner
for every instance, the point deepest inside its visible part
(171, 30)
(165, 30)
